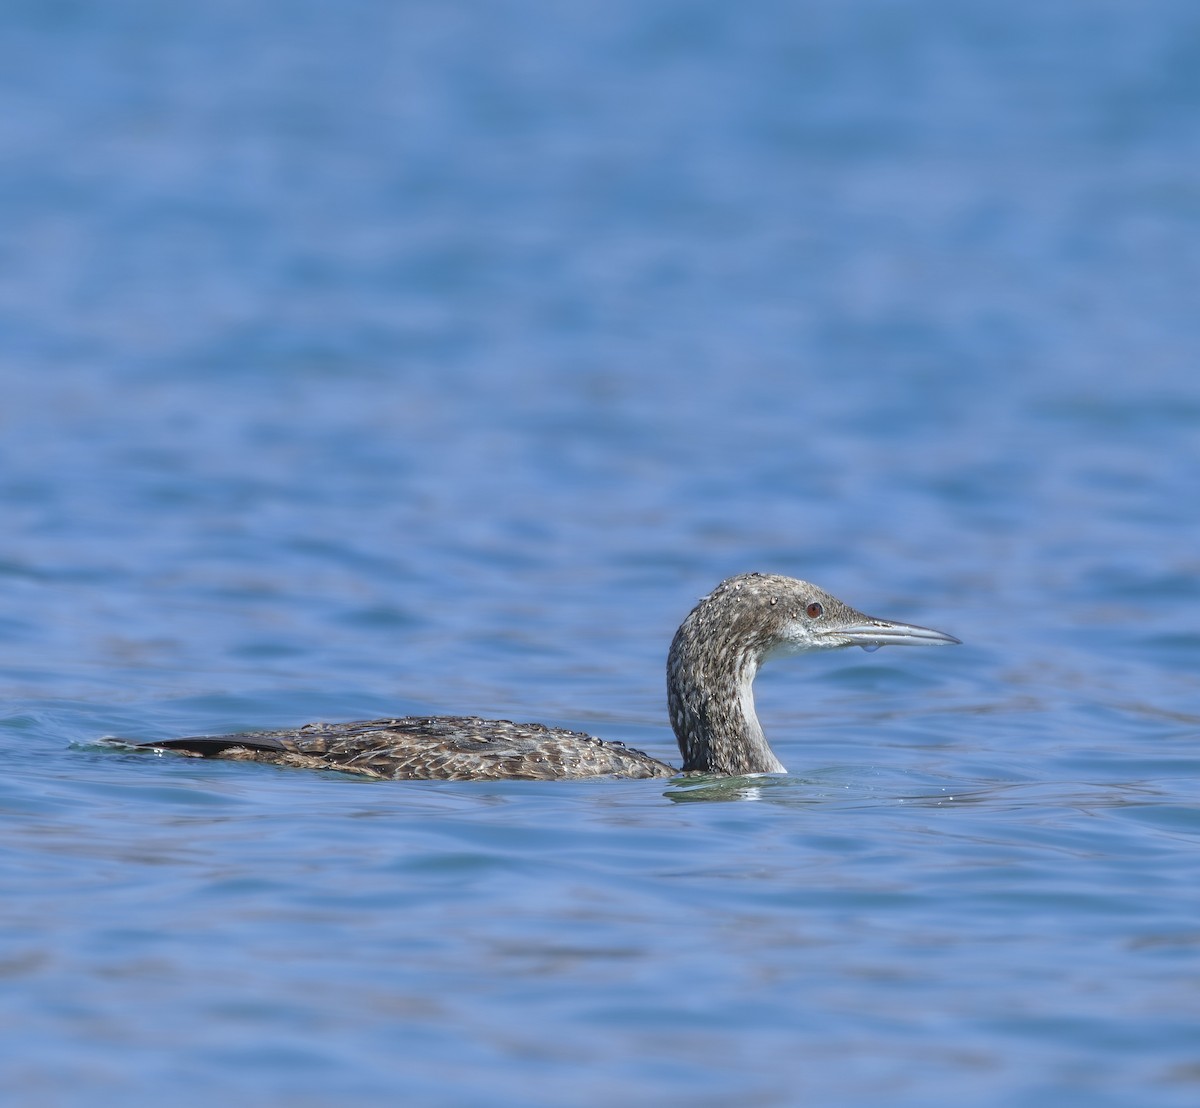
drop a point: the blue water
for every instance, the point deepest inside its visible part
(370, 358)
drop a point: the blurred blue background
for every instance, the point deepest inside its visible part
(374, 357)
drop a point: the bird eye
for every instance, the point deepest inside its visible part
(814, 610)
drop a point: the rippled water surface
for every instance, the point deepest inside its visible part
(377, 358)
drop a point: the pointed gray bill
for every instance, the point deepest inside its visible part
(871, 634)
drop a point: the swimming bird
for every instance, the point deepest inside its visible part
(714, 657)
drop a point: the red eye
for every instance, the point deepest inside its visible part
(814, 610)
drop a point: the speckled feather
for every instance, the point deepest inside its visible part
(449, 748)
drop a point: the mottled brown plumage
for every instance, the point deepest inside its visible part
(448, 748)
(710, 672)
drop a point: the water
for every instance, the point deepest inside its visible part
(370, 358)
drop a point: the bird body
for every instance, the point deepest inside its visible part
(711, 666)
(446, 748)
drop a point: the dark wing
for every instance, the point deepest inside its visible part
(210, 746)
(433, 747)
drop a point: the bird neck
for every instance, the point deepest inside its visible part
(711, 700)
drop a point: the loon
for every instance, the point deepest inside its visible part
(714, 657)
